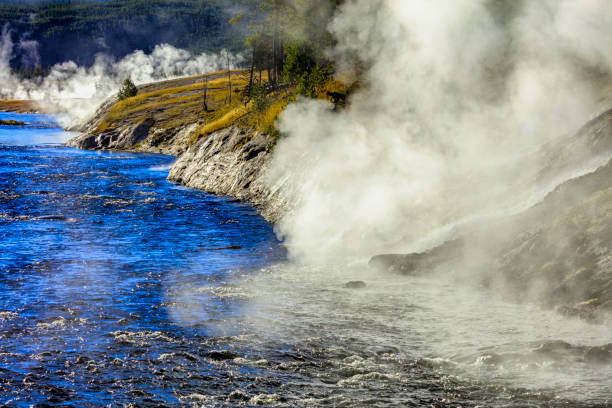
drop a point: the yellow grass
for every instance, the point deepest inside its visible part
(223, 122)
(103, 126)
(269, 117)
(119, 112)
(18, 106)
(175, 106)
(266, 121)
(216, 91)
(332, 85)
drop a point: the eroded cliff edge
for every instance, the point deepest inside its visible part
(230, 162)
(229, 159)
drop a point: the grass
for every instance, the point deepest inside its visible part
(222, 122)
(265, 120)
(104, 126)
(18, 106)
(120, 111)
(178, 103)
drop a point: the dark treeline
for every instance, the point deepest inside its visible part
(47, 33)
(289, 39)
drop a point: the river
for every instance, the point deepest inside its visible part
(119, 288)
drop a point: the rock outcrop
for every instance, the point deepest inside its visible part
(142, 136)
(12, 123)
(168, 117)
(160, 119)
(231, 162)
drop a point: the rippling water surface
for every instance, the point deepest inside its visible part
(118, 288)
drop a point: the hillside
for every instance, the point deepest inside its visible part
(168, 117)
(78, 30)
(222, 150)
(18, 106)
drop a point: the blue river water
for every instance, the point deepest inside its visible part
(118, 288)
(89, 243)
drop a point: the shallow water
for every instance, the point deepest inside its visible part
(118, 287)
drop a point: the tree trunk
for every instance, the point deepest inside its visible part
(281, 59)
(275, 46)
(251, 79)
(205, 91)
(273, 78)
(229, 77)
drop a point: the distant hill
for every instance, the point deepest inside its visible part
(78, 30)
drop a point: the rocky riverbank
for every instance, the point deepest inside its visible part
(555, 251)
(167, 118)
(12, 123)
(230, 162)
(20, 107)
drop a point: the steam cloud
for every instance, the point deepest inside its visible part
(79, 90)
(456, 94)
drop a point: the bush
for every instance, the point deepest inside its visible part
(300, 58)
(311, 84)
(128, 90)
(260, 101)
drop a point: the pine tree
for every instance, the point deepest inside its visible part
(128, 90)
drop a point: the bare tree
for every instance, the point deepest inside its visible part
(205, 92)
(250, 90)
(229, 76)
(275, 38)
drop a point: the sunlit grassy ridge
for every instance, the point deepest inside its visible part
(18, 106)
(176, 103)
(179, 103)
(233, 114)
(11, 123)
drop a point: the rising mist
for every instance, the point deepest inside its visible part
(79, 90)
(455, 97)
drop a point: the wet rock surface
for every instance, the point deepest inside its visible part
(231, 162)
(355, 285)
(418, 263)
(132, 137)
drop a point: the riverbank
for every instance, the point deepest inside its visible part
(106, 249)
(540, 253)
(222, 150)
(229, 162)
(12, 123)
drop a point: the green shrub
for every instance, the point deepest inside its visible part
(128, 90)
(300, 58)
(260, 100)
(311, 83)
